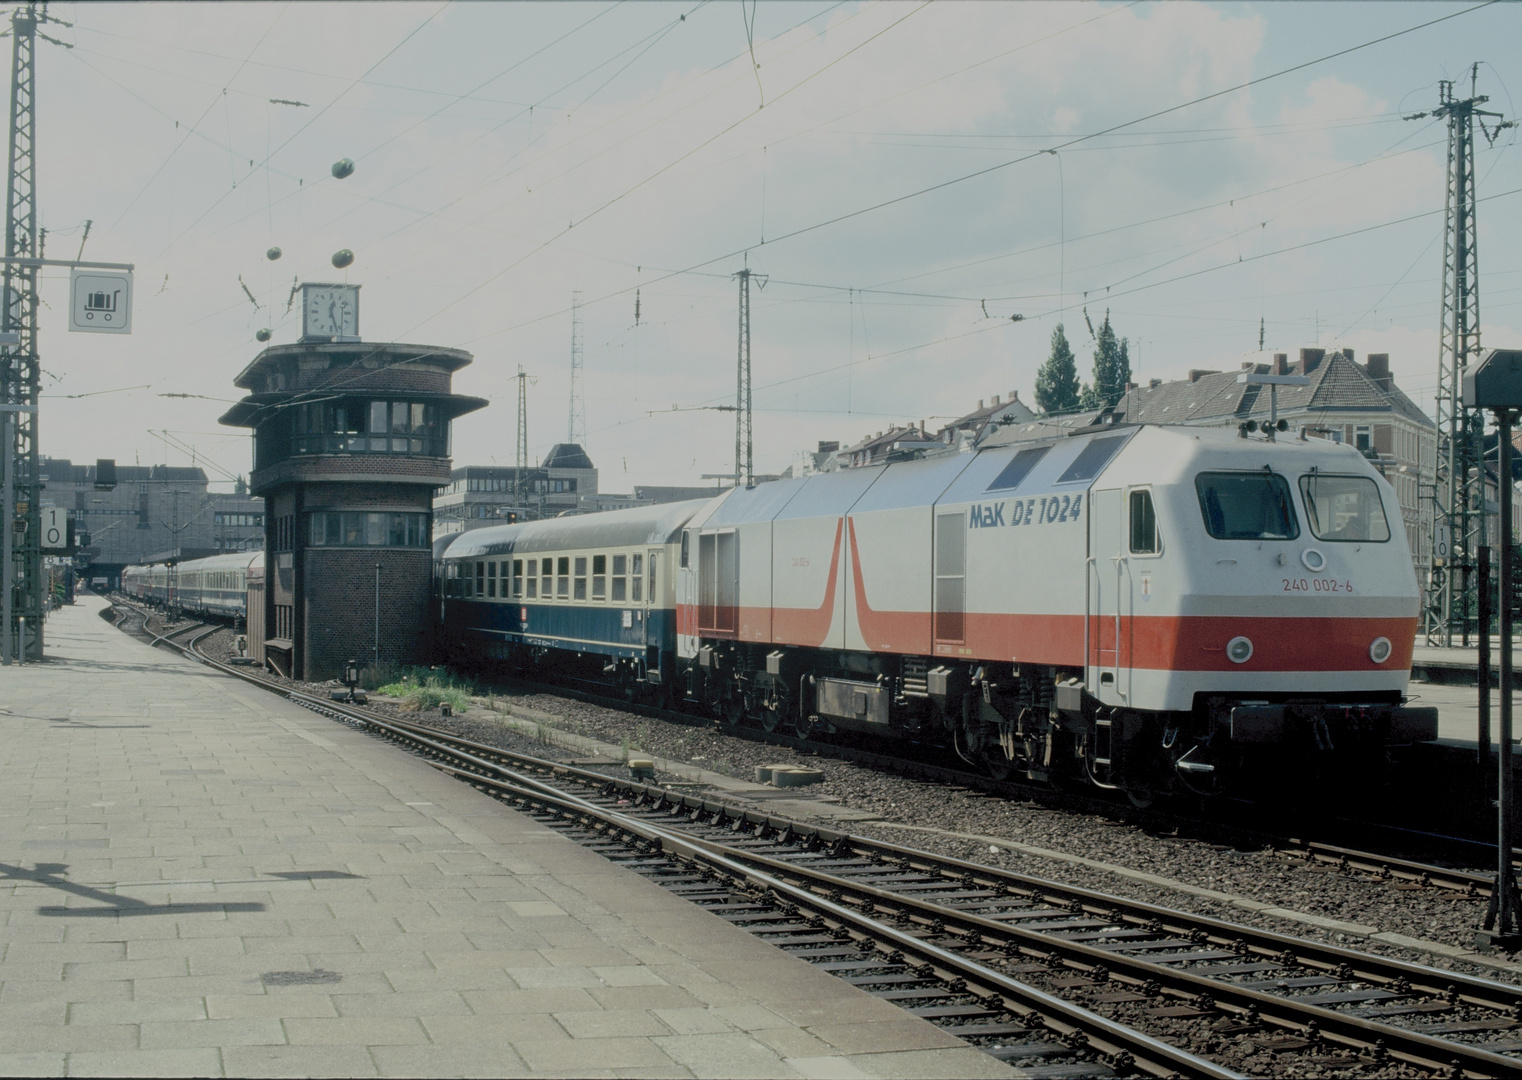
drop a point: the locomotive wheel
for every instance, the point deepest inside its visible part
(732, 711)
(998, 766)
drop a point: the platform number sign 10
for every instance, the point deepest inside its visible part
(100, 301)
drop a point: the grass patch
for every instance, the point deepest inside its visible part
(427, 688)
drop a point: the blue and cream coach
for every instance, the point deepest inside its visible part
(600, 586)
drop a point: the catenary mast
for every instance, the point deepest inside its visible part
(1458, 493)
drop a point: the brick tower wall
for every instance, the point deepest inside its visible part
(340, 607)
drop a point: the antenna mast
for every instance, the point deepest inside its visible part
(577, 429)
(1457, 498)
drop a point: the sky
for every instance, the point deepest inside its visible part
(922, 191)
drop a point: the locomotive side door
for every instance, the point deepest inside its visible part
(1103, 630)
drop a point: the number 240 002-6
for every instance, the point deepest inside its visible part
(1324, 585)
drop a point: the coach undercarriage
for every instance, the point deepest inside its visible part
(1039, 722)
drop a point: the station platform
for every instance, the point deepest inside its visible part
(203, 879)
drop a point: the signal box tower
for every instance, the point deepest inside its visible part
(350, 441)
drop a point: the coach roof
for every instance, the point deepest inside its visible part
(660, 524)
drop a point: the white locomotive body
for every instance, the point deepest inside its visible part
(1144, 605)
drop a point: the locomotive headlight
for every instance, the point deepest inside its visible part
(1239, 650)
(1379, 650)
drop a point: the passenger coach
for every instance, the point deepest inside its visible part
(594, 592)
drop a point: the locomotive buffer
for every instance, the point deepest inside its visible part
(1495, 383)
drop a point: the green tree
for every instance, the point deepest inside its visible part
(1112, 367)
(1057, 388)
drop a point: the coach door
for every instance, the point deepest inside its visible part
(651, 612)
(1108, 601)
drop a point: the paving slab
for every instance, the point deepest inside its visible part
(198, 878)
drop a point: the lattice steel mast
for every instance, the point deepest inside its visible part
(19, 368)
(576, 430)
(521, 475)
(1458, 494)
(745, 472)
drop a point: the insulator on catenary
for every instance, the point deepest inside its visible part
(343, 258)
(262, 335)
(273, 253)
(343, 168)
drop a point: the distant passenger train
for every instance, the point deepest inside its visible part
(215, 586)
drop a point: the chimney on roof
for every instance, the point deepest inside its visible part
(1379, 370)
(980, 404)
(1130, 386)
(1347, 354)
(996, 399)
(1281, 363)
(1310, 360)
(1014, 396)
(922, 427)
(1195, 374)
(1153, 384)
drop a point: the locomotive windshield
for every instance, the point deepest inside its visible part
(1246, 506)
(1344, 509)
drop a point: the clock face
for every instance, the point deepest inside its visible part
(330, 311)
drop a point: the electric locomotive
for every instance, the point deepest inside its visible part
(1146, 608)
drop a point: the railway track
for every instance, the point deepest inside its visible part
(1377, 865)
(1388, 868)
(952, 940)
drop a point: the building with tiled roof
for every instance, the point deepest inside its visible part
(1358, 404)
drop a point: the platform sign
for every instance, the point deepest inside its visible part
(100, 301)
(55, 528)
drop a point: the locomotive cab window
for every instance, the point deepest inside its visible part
(1344, 509)
(1246, 506)
(1144, 538)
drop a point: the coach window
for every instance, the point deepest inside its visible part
(517, 578)
(480, 589)
(581, 578)
(636, 577)
(491, 579)
(546, 569)
(563, 578)
(599, 577)
(685, 562)
(1144, 539)
(620, 581)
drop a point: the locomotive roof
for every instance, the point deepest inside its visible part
(1056, 464)
(660, 524)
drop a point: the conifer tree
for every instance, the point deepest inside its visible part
(1057, 389)
(1112, 367)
